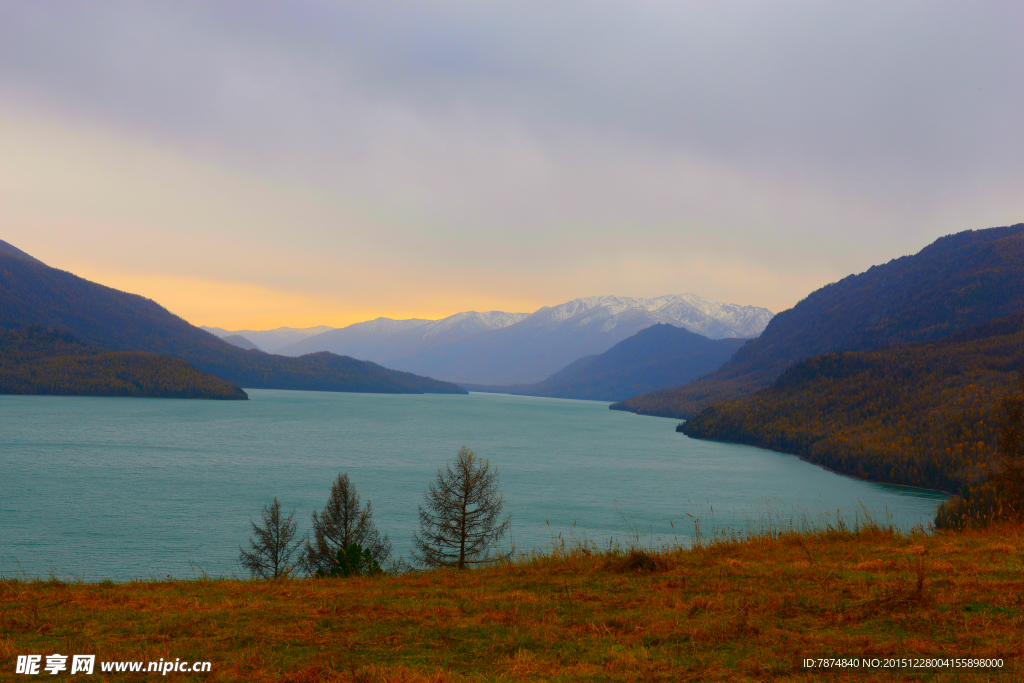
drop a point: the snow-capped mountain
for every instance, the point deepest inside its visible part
(692, 312)
(513, 348)
(552, 337)
(471, 321)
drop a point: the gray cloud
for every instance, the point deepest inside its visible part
(844, 132)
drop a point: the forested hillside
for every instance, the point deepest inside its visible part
(32, 293)
(38, 361)
(659, 356)
(956, 282)
(917, 414)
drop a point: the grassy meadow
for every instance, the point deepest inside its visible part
(728, 609)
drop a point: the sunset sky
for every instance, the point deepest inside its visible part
(253, 165)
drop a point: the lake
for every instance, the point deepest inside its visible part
(110, 488)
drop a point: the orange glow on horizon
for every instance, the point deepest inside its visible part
(244, 306)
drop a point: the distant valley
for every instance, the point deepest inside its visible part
(897, 374)
(271, 341)
(598, 347)
(499, 348)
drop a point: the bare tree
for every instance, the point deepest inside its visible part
(273, 546)
(340, 524)
(462, 516)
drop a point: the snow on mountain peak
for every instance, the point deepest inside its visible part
(690, 311)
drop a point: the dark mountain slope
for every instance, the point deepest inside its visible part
(918, 414)
(658, 356)
(46, 362)
(956, 282)
(33, 293)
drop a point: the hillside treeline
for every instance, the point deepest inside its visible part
(34, 360)
(922, 414)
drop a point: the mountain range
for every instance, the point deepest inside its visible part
(498, 348)
(384, 340)
(493, 347)
(32, 293)
(661, 355)
(956, 282)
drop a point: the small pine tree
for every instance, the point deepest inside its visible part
(342, 523)
(352, 560)
(273, 546)
(462, 517)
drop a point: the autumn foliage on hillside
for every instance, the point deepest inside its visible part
(1001, 494)
(34, 360)
(922, 414)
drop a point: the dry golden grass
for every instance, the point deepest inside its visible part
(730, 610)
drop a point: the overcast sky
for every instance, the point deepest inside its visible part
(263, 164)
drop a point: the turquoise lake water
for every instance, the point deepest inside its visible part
(107, 488)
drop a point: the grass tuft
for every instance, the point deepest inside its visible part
(640, 561)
